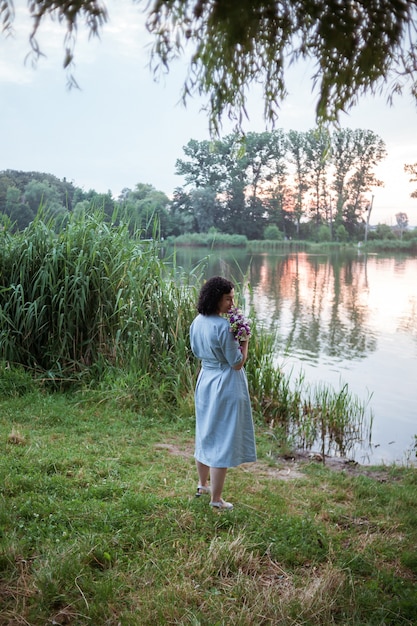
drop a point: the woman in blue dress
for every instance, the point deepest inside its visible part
(224, 427)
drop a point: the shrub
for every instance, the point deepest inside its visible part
(324, 234)
(341, 233)
(273, 233)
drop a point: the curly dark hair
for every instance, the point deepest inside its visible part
(211, 293)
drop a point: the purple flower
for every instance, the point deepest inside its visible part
(239, 324)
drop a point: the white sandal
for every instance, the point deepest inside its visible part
(202, 491)
(222, 505)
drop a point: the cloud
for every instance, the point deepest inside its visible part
(124, 36)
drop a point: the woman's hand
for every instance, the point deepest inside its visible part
(244, 349)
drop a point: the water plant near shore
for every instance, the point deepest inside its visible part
(303, 416)
(336, 420)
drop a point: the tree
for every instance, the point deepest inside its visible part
(273, 233)
(324, 233)
(383, 231)
(259, 156)
(298, 156)
(357, 47)
(205, 207)
(369, 150)
(412, 169)
(273, 178)
(343, 159)
(318, 152)
(341, 233)
(62, 192)
(204, 167)
(20, 213)
(45, 197)
(256, 163)
(279, 202)
(233, 171)
(181, 213)
(38, 194)
(234, 218)
(101, 202)
(144, 209)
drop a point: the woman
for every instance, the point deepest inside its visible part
(224, 427)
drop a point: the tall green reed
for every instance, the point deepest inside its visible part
(87, 297)
(335, 420)
(62, 294)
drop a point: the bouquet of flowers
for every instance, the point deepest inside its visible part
(239, 324)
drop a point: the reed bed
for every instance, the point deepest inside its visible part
(300, 415)
(89, 296)
(212, 239)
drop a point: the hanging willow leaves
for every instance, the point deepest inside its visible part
(355, 48)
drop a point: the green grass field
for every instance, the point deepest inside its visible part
(99, 526)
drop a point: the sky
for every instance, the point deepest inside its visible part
(123, 127)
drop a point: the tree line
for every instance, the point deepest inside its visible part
(297, 181)
(308, 185)
(24, 194)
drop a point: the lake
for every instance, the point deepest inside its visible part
(339, 318)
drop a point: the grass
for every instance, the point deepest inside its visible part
(98, 525)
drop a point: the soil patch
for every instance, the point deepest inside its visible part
(338, 464)
(289, 467)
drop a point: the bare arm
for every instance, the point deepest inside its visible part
(244, 346)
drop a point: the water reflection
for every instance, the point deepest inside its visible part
(408, 322)
(316, 305)
(320, 305)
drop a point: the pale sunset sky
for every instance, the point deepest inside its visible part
(122, 127)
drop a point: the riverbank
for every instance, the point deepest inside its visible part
(100, 526)
(213, 240)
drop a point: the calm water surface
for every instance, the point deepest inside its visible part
(340, 319)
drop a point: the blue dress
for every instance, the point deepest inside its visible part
(224, 426)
